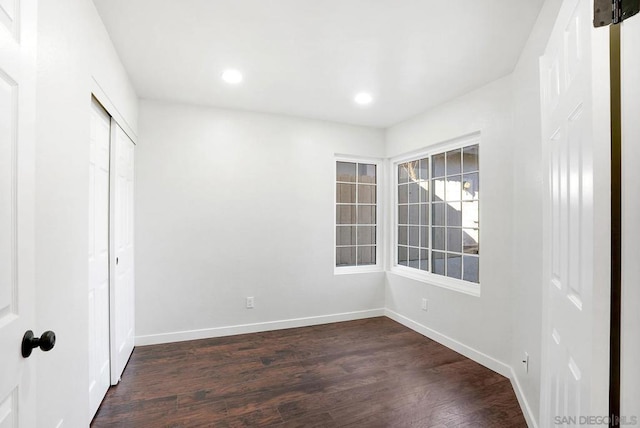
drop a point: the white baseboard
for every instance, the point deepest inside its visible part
(467, 351)
(475, 355)
(206, 333)
(522, 400)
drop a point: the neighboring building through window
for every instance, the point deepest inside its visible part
(356, 214)
(438, 223)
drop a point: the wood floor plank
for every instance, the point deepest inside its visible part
(365, 373)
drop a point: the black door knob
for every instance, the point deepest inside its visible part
(46, 342)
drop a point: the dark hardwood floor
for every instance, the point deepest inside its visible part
(366, 373)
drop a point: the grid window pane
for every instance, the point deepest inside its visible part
(454, 240)
(424, 169)
(471, 241)
(356, 213)
(366, 255)
(424, 237)
(346, 235)
(346, 171)
(438, 213)
(470, 159)
(438, 162)
(438, 239)
(454, 266)
(438, 263)
(366, 235)
(438, 187)
(403, 214)
(470, 187)
(366, 214)
(346, 193)
(412, 169)
(366, 173)
(454, 162)
(424, 214)
(403, 193)
(403, 173)
(345, 214)
(454, 214)
(403, 255)
(346, 256)
(403, 235)
(454, 188)
(424, 260)
(424, 191)
(471, 269)
(414, 193)
(414, 258)
(414, 214)
(366, 194)
(470, 214)
(414, 236)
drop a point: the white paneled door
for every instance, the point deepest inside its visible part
(99, 374)
(122, 265)
(575, 120)
(17, 266)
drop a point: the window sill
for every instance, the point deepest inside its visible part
(437, 280)
(348, 270)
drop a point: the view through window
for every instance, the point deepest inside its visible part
(356, 222)
(438, 218)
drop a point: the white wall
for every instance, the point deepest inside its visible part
(480, 323)
(212, 184)
(232, 204)
(73, 49)
(505, 322)
(527, 211)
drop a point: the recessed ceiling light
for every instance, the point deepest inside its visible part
(232, 77)
(363, 98)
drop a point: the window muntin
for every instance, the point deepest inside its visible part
(437, 225)
(356, 214)
(413, 214)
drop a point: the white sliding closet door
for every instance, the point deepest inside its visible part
(111, 290)
(99, 379)
(122, 265)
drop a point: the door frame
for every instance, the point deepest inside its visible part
(630, 322)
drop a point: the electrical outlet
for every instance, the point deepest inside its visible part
(425, 304)
(525, 362)
(250, 304)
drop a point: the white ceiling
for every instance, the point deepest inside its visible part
(310, 57)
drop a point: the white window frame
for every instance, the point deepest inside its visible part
(380, 184)
(460, 285)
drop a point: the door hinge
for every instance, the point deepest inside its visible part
(607, 12)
